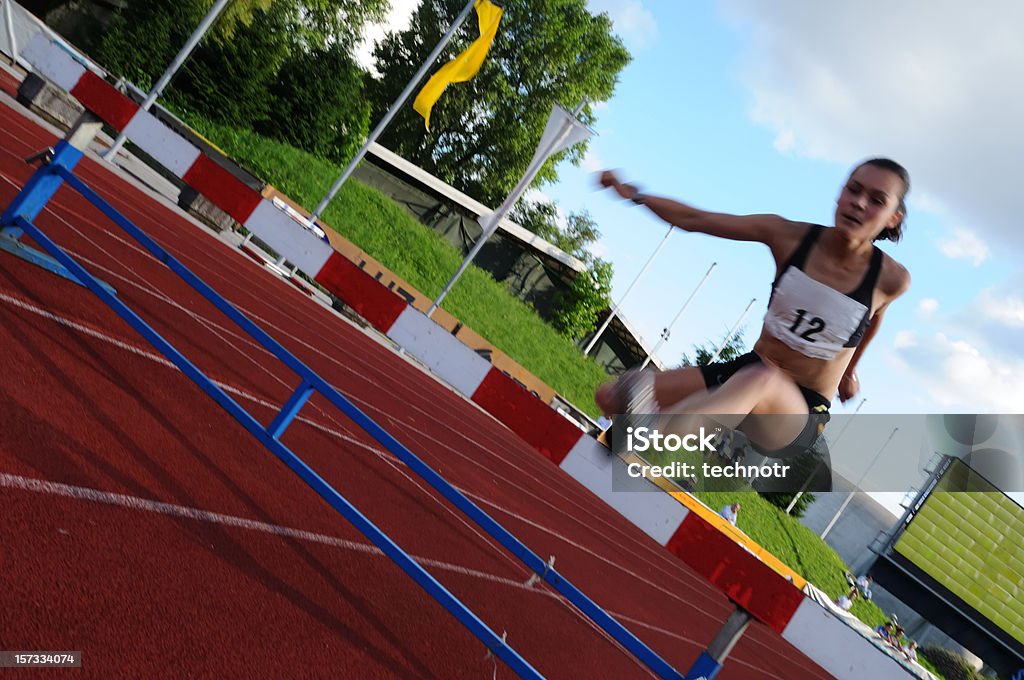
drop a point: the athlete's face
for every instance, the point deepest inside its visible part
(870, 202)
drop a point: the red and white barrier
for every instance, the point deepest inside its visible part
(746, 580)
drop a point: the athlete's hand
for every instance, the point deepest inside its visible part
(626, 191)
(849, 386)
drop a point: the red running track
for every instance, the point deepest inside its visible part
(141, 525)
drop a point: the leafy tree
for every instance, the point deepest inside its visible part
(162, 26)
(228, 78)
(782, 499)
(318, 104)
(484, 132)
(703, 353)
(575, 309)
(283, 67)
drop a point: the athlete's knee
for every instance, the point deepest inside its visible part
(763, 375)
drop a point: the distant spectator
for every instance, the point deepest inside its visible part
(885, 631)
(861, 585)
(731, 513)
(845, 602)
(864, 586)
(910, 651)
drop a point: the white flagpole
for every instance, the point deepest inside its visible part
(494, 218)
(668, 328)
(810, 477)
(618, 305)
(728, 336)
(392, 111)
(835, 517)
(183, 54)
(9, 23)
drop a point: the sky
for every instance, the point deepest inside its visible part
(745, 106)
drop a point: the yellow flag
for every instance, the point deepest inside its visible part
(463, 67)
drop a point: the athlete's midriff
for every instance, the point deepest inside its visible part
(820, 375)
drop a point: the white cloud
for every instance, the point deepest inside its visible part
(960, 376)
(905, 339)
(631, 20)
(1006, 310)
(784, 141)
(923, 81)
(927, 307)
(965, 245)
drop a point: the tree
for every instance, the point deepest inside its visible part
(703, 354)
(575, 309)
(229, 75)
(318, 104)
(782, 499)
(484, 132)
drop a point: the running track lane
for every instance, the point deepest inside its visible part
(90, 408)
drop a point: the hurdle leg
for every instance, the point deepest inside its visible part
(710, 660)
(41, 187)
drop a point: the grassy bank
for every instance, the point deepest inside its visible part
(420, 256)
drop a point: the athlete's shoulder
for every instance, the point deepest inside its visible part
(787, 234)
(894, 279)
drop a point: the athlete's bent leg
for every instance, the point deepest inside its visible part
(669, 388)
(759, 400)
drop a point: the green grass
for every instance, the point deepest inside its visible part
(388, 233)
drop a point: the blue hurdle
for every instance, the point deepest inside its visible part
(57, 169)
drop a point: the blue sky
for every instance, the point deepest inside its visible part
(743, 106)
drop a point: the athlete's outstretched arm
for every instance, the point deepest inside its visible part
(764, 228)
(849, 385)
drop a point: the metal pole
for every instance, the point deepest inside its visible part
(494, 218)
(9, 21)
(710, 661)
(668, 328)
(618, 305)
(728, 336)
(835, 518)
(183, 55)
(792, 503)
(431, 58)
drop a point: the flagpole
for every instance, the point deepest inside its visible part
(615, 309)
(835, 517)
(814, 472)
(399, 103)
(668, 328)
(182, 55)
(494, 218)
(728, 336)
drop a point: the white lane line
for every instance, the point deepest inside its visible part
(82, 493)
(694, 591)
(171, 509)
